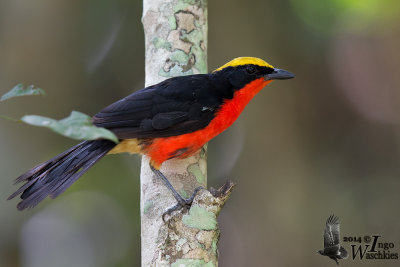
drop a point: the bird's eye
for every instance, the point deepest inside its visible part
(250, 69)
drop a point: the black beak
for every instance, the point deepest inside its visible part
(279, 74)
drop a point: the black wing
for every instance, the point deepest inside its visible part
(332, 232)
(176, 106)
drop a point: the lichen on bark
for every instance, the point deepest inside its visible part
(176, 44)
(191, 237)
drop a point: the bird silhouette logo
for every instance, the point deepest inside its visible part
(332, 247)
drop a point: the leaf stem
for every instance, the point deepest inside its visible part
(9, 118)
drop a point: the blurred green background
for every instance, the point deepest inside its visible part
(325, 142)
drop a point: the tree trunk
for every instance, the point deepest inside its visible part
(176, 44)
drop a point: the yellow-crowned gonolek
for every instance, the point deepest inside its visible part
(172, 119)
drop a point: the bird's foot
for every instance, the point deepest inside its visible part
(182, 203)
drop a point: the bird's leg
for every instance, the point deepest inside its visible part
(182, 202)
(177, 196)
(179, 205)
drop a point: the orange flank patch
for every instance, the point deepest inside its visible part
(182, 146)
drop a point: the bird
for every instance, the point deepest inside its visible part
(332, 247)
(171, 119)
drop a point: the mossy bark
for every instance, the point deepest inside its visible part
(176, 44)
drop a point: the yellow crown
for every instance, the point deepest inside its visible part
(240, 61)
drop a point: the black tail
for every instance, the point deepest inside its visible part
(52, 177)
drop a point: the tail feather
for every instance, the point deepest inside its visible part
(54, 176)
(343, 253)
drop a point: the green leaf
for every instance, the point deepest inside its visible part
(77, 126)
(19, 90)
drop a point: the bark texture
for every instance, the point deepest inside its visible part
(176, 44)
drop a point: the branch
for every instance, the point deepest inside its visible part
(176, 44)
(190, 238)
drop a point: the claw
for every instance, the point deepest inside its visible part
(182, 203)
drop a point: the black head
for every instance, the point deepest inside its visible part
(243, 70)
